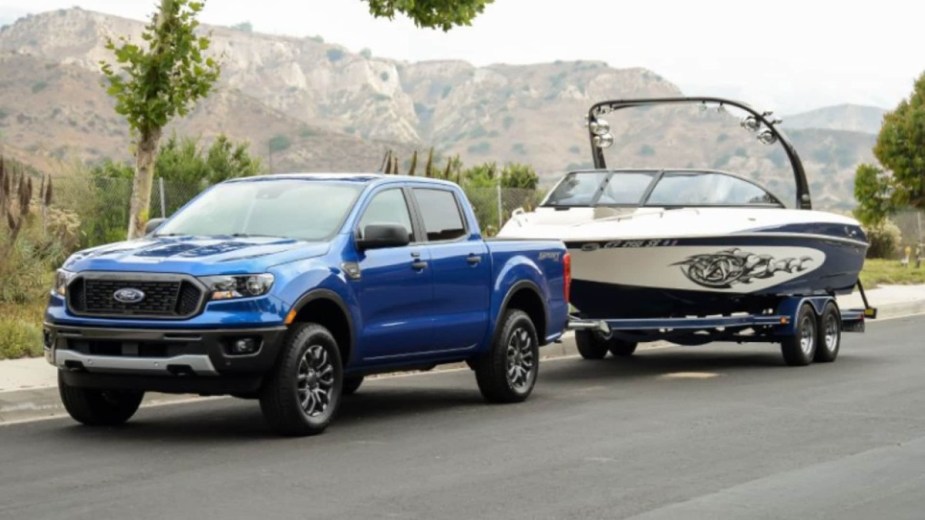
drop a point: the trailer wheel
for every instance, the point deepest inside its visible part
(591, 345)
(829, 334)
(621, 348)
(800, 348)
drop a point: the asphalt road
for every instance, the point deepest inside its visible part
(721, 431)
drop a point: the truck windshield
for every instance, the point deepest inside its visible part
(289, 208)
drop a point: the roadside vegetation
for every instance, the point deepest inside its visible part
(879, 271)
(897, 182)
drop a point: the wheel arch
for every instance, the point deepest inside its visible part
(526, 296)
(326, 308)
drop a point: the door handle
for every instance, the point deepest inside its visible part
(419, 265)
(473, 259)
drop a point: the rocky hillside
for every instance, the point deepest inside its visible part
(849, 118)
(334, 109)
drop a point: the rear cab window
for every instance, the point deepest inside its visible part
(441, 214)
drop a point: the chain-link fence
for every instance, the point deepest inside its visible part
(911, 224)
(493, 206)
(102, 204)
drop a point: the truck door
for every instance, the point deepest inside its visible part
(396, 286)
(461, 270)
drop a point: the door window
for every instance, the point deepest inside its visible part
(387, 207)
(440, 212)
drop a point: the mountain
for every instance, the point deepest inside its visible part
(341, 111)
(851, 118)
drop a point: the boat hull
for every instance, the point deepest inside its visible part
(708, 275)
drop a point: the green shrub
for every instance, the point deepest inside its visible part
(884, 238)
(20, 338)
(279, 142)
(39, 86)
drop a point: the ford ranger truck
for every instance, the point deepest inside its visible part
(289, 289)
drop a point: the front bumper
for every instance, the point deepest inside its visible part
(168, 360)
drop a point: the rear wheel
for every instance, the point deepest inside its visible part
(507, 374)
(95, 407)
(302, 393)
(800, 348)
(591, 345)
(829, 334)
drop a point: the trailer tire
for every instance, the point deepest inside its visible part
(621, 348)
(829, 328)
(591, 345)
(800, 348)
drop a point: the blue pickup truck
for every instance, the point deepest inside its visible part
(291, 288)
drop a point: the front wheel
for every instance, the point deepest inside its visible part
(302, 393)
(95, 407)
(507, 374)
(800, 348)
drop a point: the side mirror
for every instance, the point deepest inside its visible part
(383, 235)
(153, 224)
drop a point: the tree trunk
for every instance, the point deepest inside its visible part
(144, 177)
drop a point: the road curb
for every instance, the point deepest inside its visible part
(18, 406)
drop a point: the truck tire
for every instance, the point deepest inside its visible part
(621, 348)
(351, 384)
(829, 328)
(302, 392)
(507, 374)
(800, 348)
(95, 407)
(591, 345)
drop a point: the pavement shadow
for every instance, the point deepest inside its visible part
(236, 421)
(647, 364)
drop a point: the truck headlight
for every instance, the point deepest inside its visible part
(237, 286)
(62, 278)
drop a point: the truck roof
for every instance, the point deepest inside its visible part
(348, 177)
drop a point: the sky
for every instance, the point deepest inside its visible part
(785, 55)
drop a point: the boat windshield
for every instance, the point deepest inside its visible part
(600, 188)
(657, 188)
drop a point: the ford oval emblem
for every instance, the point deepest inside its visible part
(128, 295)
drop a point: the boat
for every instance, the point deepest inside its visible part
(674, 242)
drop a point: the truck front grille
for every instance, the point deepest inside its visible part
(164, 297)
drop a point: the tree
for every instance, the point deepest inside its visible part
(183, 160)
(900, 147)
(521, 176)
(873, 192)
(434, 14)
(155, 83)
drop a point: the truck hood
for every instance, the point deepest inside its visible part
(197, 256)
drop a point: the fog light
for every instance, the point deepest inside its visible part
(244, 346)
(47, 338)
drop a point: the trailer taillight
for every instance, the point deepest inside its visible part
(567, 270)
